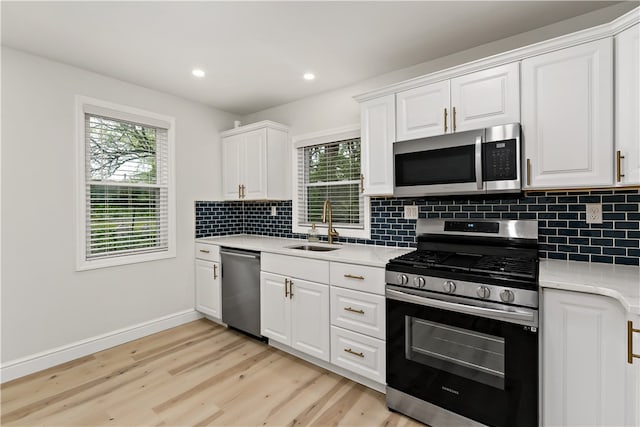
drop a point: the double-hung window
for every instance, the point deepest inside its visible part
(126, 185)
(328, 168)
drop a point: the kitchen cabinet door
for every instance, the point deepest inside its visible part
(423, 111)
(310, 327)
(378, 132)
(254, 176)
(586, 378)
(627, 109)
(208, 291)
(275, 314)
(486, 98)
(567, 117)
(232, 152)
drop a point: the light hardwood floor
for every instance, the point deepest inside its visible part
(194, 375)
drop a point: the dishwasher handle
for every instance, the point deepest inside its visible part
(243, 254)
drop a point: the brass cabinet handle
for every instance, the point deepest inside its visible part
(286, 289)
(290, 289)
(630, 353)
(242, 188)
(351, 276)
(445, 120)
(215, 271)
(454, 119)
(348, 350)
(528, 171)
(239, 191)
(619, 157)
(362, 183)
(353, 310)
(206, 251)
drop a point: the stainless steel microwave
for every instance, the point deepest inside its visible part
(482, 161)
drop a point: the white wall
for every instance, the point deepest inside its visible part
(45, 302)
(338, 108)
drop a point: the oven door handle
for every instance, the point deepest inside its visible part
(520, 317)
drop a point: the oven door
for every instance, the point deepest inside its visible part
(481, 366)
(447, 164)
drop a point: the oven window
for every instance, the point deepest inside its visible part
(469, 354)
(442, 166)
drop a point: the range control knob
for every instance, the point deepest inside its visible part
(483, 292)
(507, 295)
(419, 282)
(402, 279)
(449, 286)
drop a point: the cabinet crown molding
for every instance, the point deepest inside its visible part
(255, 126)
(609, 29)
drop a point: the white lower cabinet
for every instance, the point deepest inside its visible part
(358, 353)
(358, 311)
(208, 289)
(587, 379)
(295, 312)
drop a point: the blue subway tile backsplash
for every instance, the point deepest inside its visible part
(562, 229)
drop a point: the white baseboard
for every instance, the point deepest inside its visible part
(37, 362)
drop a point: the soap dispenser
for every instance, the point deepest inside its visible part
(313, 234)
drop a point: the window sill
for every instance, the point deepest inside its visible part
(84, 265)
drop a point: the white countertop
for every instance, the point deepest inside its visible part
(621, 282)
(376, 256)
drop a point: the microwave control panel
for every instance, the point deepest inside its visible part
(500, 160)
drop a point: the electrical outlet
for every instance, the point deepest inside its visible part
(274, 211)
(411, 212)
(594, 213)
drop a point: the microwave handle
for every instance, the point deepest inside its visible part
(479, 182)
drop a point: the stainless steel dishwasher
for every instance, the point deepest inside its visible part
(241, 290)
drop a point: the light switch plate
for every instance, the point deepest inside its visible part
(594, 213)
(274, 211)
(411, 212)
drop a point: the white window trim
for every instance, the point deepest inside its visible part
(121, 112)
(323, 137)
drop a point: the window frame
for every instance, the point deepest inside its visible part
(131, 114)
(317, 138)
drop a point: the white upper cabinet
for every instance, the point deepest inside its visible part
(378, 131)
(627, 109)
(486, 98)
(472, 101)
(567, 117)
(255, 162)
(423, 111)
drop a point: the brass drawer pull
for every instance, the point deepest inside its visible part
(353, 310)
(619, 173)
(351, 276)
(630, 353)
(286, 288)
(215, 271)
(205, 251)
(290, 289)
(348, 350)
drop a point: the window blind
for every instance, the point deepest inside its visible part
(330, 171)
(127, 187)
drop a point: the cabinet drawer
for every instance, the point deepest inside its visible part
(208, 252)
(358, 277)
(293, 266)
(358, 311)
(358, 353)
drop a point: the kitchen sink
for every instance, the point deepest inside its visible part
(312, 248)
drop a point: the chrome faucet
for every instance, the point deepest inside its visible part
(327, 217)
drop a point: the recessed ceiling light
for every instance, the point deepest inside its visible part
(197, 72)
(309, 76)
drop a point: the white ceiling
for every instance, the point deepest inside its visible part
(254, 53)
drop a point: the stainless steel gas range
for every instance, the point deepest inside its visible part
(462, 324)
